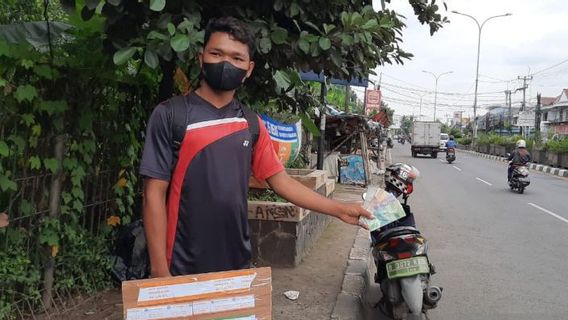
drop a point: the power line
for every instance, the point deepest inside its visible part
(551, 67)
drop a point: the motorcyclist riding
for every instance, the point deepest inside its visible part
(451, 144)
(519, 157)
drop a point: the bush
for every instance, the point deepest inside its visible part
(465, 141)
(560, 146)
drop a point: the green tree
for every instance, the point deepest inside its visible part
(343, 38)
(406, 124)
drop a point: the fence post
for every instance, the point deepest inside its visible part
(54, 206)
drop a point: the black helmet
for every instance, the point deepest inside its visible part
(401, 176)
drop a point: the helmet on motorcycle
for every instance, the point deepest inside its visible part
(521, 144)
(451, 137)
(400, 176)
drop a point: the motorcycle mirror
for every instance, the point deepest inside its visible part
(508, 155)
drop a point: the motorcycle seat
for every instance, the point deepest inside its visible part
(396, 232)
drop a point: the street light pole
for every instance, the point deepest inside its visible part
(436, 88)
(479, 28)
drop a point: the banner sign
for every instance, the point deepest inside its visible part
(373, 101)
(286, 138)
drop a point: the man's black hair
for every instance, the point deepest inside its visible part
(234, 27)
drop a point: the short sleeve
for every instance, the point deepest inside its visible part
(157, 158)
(265, 162)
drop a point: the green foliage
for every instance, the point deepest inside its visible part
(465, 141)
(346, 39)
(506, 141)
(560, 146)
(99, 110)
(265, 195)
(406, 124)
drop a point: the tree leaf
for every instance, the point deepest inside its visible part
(53, 107)
(328, 28)
(180, 42)
(304, 45)
(282, 80)
(4, 149)
(51, 164)
(35, 163)
(371, 24)
(6, 184)
(279, 35)
(157, 5)
(46, 72)
(325, 43)
(151, 58)
(309, 124)
(265, 45)
(25, 93)
(123, 55)
(294, 9)
(171, 29)
(156, 35)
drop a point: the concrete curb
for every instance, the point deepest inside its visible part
(533, 166)
(349, 304)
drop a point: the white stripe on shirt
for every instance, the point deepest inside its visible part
(210, 123)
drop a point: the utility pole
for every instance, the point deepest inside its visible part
(537, 117)
(508, 104)
(523, 105)
(524, 88)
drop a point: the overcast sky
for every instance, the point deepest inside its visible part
(530, 41)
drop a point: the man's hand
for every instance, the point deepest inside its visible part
(160, 273)
(351, 212)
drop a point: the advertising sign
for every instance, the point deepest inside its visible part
(286, 138)
(373, 101)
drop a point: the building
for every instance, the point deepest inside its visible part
(555, 114)
(496, 119)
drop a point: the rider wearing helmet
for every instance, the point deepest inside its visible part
(451, 144)
(519, 157)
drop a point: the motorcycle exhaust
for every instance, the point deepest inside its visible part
(432, 296)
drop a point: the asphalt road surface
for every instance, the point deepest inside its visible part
(498, 254)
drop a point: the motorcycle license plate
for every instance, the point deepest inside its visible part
(407, 267)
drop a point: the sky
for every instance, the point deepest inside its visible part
(532, 41)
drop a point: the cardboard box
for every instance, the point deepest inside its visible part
(237, 295)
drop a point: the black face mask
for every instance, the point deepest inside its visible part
(223, 75)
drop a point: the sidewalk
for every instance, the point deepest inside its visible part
(533, 166)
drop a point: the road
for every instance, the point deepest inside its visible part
(498, 254)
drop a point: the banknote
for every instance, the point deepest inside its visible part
(384, 206)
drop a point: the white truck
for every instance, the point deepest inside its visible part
(426, 138)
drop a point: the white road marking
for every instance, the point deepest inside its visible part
(457, 168)
(549, 212)
(442, 160)
(487, 183)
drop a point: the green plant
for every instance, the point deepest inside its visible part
(560, 146)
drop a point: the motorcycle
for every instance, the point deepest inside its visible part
(451, 155)
(401, 140)
(400, 253)
(519, 179)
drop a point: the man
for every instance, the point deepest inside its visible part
(519, 157)
(195, 207)
(451, 144)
